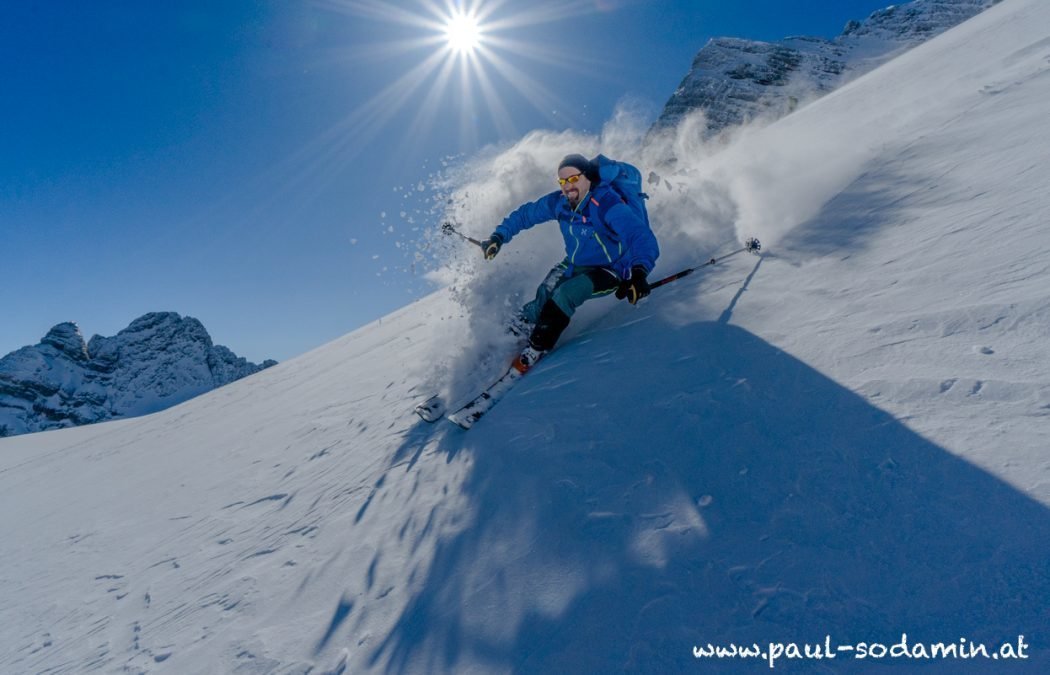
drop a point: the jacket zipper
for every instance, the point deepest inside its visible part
(576, 212)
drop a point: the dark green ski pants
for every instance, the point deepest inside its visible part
(563, 290)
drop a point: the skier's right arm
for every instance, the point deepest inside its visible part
(527, 215)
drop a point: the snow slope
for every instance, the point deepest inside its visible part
(846, 437)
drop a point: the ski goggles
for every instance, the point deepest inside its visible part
(575, 178)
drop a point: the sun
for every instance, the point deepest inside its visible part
(463, 33)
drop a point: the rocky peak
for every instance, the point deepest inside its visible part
(166, 325)
(67, 339)
(734, 81)
(159, 360)
(916, 22)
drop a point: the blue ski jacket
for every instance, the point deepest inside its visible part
(602, 231)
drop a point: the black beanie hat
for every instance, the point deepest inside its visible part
(578, 161)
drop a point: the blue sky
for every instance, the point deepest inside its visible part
(247, 163)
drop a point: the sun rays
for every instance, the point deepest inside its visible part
(475, 59)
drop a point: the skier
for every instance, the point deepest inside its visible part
(609, 247)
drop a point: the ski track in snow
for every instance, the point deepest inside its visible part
(845, 437)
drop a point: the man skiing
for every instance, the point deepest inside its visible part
(609, 247)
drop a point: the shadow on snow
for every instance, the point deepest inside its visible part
(624, 513)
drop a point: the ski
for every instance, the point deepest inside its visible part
(434, 408)
(470, 413)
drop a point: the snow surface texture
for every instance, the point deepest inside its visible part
(159, 360)
(735, 81)
(845, 437)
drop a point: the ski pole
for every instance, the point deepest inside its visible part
(447, 228)
(752, 245)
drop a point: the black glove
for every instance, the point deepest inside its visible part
(491, 246)
(636, 287)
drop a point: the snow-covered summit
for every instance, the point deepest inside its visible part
(734, 80)
(159, 360)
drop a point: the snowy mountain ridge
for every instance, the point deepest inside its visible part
(843, 441)
(159, 360)
(735, 80)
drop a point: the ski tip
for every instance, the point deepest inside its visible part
(431, 410)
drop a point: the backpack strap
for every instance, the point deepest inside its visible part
(602, 203)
